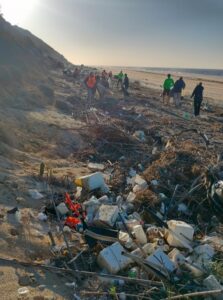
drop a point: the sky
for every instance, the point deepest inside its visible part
(146, 33)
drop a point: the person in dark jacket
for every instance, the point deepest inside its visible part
(177, 90)
(125, 85)
(198, 98)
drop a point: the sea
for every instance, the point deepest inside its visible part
(206, 72)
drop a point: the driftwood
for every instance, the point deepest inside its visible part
(84, 273)
(117, 294)
(100, 237)
(196, 294)
(203, 135)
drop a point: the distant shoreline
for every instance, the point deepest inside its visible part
(213, 87)
(198, 77)
(199, 72)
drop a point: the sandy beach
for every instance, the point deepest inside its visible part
(213, 85)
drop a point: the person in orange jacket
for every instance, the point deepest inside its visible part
(90, 83)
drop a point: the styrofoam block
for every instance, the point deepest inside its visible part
(106, 215)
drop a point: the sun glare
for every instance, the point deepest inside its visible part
(16, 11)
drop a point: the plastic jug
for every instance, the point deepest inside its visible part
(139, 234)
(180, 233)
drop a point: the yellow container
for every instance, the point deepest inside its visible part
(91, 182)
(78, 182)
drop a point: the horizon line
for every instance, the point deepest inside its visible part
(187, 68)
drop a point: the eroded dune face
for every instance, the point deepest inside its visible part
(25, 64)
(26, 85)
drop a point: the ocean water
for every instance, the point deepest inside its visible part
(206, 72)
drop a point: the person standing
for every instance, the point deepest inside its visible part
(167, 86)
(110, 79)
(198, 98)
(104, 74)
(90, 83)
(103, 86)
(177, 90)
(120, 78)
(125, 85)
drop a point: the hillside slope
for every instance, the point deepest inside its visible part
(25, 64)
(27, 85)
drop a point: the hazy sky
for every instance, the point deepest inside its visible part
(156, 33)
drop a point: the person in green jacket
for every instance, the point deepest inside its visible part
(120, 78)
(167, 86)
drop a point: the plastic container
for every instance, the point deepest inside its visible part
(92, 182)
(181, 235)
(131, 197)
(62, 209)
(139, 234)
(126, 240)
(23, 291)
(122, 296)
(129, 223)
(152, 233)
(211, 283)
(110, 280)
(91, 207)
(148, 248)
(161, 261)
(104, 200)
(42, 217)
(136, 216)
(112, 260)
(132, 223)
(140, 181)
(96, 166)
(194, 269)
(123, 236)
(176, 256)
(132, 273)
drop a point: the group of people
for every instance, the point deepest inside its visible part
(174, 89)
(104, 83)
(73, 73)
(123, 81)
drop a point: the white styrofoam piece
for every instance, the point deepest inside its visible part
(107, 215)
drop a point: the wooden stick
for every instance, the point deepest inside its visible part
(196, 294)
(100, 237)
(84, 273)
(86, 293)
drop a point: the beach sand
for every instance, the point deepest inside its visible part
(213, 86)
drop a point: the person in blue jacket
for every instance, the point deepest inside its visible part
(179, 85)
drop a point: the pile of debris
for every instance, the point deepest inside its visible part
(146, 223)
(114, 143)
(130, 249)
